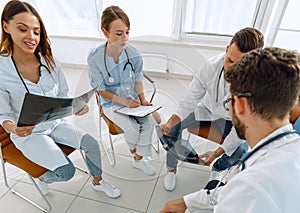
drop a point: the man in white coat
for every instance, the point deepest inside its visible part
(266, 178)
(202, 106)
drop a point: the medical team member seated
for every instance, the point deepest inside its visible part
(25, 53)
(115, 68)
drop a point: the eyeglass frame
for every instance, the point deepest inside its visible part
(242, 95)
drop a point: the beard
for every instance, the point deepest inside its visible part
(238, 125)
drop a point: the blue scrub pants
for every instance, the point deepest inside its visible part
(93, 159)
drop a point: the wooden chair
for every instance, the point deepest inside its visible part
(10, 154)
(114, 129)
(211, 133)
(294, 114)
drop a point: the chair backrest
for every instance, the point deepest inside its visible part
(15, 157)
(294, 114)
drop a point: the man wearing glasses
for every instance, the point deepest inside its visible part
(266, 177)
(202, 106)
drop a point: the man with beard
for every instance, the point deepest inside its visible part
(259, 107)
(202, 107)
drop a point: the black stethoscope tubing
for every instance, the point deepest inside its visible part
(248, 155)
(243, 160)
(19, 74)
(218, 84)
(110, 78)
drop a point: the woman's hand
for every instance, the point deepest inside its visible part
(23, 131)
(146, 103)
(133, 103)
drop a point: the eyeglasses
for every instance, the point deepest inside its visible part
(243, 95)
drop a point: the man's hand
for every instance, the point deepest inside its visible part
(208, 157)
(173, 120)
(175, 206)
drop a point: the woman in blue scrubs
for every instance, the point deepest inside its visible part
(24, 48)
(115, 69)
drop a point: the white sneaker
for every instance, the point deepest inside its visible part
(144, 166)
(170, 181)
(42, 186)
(109, 189)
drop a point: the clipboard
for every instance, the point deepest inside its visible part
(140, 111)
(37, 108)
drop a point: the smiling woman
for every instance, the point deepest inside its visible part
(24, 48)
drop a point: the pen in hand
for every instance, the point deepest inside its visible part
(134, 102)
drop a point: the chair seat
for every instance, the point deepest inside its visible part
(209, 132)
(113, 128)
(15, 157)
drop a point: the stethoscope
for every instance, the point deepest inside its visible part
(111, 79)
(40, 68)
(240, 165)
(218, 83)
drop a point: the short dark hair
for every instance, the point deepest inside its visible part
(272, 75)
(248, 39)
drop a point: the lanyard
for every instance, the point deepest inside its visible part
(210, 196)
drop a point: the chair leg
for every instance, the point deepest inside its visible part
(112, 160)
(84, 159)
(49, 207)
(156, 148)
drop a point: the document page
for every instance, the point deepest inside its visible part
(140, 111)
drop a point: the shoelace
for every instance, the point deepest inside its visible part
(108, 186)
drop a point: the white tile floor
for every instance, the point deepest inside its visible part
(140, 193)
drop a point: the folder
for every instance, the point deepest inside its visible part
(139, 111)
(37, 108)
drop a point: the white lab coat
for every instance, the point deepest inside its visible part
(205, 96)
(269, 182)
(12, 92)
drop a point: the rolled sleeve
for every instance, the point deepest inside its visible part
(6, 112)
(198, 202)
(138, 67)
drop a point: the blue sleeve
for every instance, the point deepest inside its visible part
(95, 77)
(296, 125)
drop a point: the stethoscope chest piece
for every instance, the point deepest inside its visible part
(111, 79)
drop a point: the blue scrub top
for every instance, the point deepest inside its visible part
(123, 85)
(296, 125)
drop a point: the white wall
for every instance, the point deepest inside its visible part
(160, 54)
